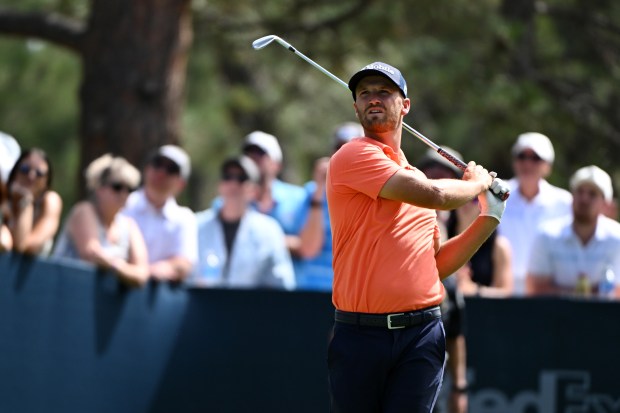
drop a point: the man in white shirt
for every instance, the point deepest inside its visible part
(240, 247)
(169, 230)
(575, 253)
(533, 200)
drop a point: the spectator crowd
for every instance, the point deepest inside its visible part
(263, 232)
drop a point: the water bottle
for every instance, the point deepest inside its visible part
(607, 284)
(210, 270)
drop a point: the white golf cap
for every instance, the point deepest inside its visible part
(9, 153)
(537, 142)
(347, 131)
(246, 164)
(593, 175)
(178, 156)
(266, 142)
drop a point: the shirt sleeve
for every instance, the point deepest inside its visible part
(363, 167)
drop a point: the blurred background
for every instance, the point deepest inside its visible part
(80, 78)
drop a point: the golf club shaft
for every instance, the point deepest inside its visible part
(266, 40)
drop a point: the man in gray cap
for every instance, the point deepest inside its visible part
(533, 200)
(169, 229)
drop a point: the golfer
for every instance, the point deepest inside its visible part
(388, 350)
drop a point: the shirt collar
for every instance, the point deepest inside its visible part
(399, 157)
(142, 203)
(600, 233)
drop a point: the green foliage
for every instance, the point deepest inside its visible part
(38, 85)
(479, 73)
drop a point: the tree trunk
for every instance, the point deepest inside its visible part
(134, 66)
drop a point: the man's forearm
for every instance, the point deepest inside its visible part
(457, 251)
(174, 269)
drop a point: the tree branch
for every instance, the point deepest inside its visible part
(53, 28)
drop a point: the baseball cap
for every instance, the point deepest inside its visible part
(596, 176)
(178, 156)
(538, 143)
(9, 153)
(266, 142)
(381, 69)
(347, 131)
(246, 164)
(433, 157)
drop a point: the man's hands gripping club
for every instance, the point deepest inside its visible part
(493, 200)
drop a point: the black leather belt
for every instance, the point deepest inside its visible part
(390, 321)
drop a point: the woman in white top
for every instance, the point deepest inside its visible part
(34, 208)
(96, 232)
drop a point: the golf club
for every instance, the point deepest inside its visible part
(266, 40)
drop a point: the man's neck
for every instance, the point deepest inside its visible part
(529, 188)
(392, 138)
(156, 199)
(585, 230)
(264, 201)
(232, 212)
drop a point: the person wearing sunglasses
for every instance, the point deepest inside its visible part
(169, 229)
(238, 246)
(94, 231)
(34, 208)
(282, 200)
(533, 200)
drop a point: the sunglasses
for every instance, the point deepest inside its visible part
(254, 150)
(25, 169)
(227, 177)
(120, 187)
(526, 157)
(167, 165)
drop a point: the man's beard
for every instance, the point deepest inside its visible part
(388, 122)
(584, 217)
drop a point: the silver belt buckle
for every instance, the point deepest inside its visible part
(389, 321)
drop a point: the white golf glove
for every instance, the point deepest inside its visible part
(491, 205)
(499, 187)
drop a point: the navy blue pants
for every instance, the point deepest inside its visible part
(376, 370)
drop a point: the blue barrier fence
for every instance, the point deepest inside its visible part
(72, 339)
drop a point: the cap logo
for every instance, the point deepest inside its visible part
(380, 67)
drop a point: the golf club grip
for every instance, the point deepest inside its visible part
(456, 161)
(462, 165)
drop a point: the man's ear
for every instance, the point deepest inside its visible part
(406, 106)
(179, 187)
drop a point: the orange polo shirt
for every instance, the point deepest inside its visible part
(383, 250)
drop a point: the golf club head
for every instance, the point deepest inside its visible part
(263, 41)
